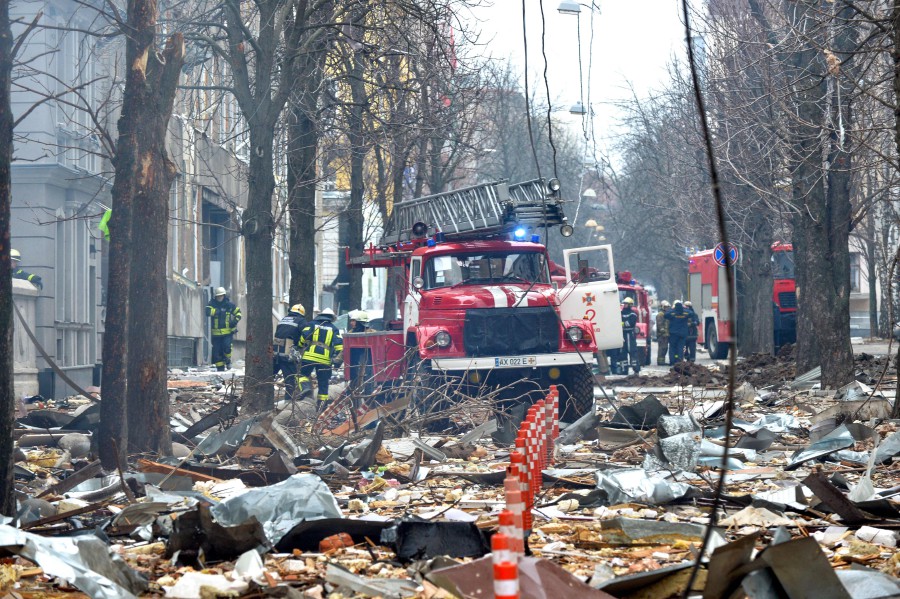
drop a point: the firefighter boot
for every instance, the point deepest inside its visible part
(322, 403)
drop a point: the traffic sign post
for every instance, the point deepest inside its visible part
(719, 254)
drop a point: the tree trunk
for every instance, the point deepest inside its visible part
(7, 392)
(258, 238)
(895, 54)
(872, 274)
(148, 400)
(301, 179)
(139, 167)
(356, 137)
(754, 286)
(822, 219)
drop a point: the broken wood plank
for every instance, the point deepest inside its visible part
(148, 466)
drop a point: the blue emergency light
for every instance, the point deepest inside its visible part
(535, 238)
(520, 233)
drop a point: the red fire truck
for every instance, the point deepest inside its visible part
(706, 290)
(478, 304)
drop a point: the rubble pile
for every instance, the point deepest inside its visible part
(250, 507)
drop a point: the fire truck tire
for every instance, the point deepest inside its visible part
(717, 351)
(576, 398)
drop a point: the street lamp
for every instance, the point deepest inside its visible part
(570, 7)
(578, 109)
(566, 7)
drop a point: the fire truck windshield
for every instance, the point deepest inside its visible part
(495, 267)
(783, 265)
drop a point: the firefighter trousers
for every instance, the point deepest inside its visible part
(690, 349)
(288, 368)
(676, 348)
(221, 351)
(323, 375)
(662, 351)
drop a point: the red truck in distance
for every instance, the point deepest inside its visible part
(707, 292)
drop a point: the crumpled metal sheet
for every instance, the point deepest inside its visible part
(865, 583)
(838, 439)
(635, 484)
(226, 442)
(669, 426)
(281, 506)
(84, 562)
(681, 451)
(888, 448)
(777, 423)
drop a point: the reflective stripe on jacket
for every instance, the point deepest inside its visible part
(321, 341)
(225, 316)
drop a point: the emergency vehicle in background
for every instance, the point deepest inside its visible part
(707, 292)
(478, 306)
(629, 287)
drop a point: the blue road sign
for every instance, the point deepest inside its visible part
(719, 254)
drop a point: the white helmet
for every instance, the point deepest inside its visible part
(15, 255)
(327, 312)
(219, 291)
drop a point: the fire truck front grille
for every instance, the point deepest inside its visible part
(787, 299)
(510, 331)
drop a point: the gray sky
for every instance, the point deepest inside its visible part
(632, 42)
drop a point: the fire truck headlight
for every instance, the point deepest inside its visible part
(566, 230)
(575, 334)
(418, 282)
(553, 184)
(442, 339)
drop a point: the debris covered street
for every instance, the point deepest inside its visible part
(263, 505)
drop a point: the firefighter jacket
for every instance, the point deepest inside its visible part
(678, 320)
(662, 325)
(35, 280)
(225, 316)
(321, 341)
(693, 323)
(629, 319)
(288, 333)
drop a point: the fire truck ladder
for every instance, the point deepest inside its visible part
(482, 210)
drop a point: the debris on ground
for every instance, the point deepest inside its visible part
(267, 505)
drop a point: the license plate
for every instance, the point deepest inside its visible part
(515, 361)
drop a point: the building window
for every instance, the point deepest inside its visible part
(855, 273)
(74, 291)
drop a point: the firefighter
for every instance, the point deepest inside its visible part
(285, 347)
(629, 348)
(662, 333)
(360, 365)
(225, 318)
(690, 348)
(678, 319)
(322, 346)
(18, 273)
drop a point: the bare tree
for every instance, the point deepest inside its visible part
(143, 175)
(7, 393)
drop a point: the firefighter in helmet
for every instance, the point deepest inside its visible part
(360, 362)
(629, 348)
(322, 346)
(678, 319)
(225, 316)
(662, 333)
(690, 348)
(18, 273)
(285, 346)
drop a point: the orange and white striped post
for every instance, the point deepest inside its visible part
(506, 570)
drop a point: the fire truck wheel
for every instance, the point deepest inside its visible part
(577, 396)
(717, 351)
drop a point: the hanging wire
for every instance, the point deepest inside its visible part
(729, 277)
(547, 86)
(537, 164)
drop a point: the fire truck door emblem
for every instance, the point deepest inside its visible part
(588, 298)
